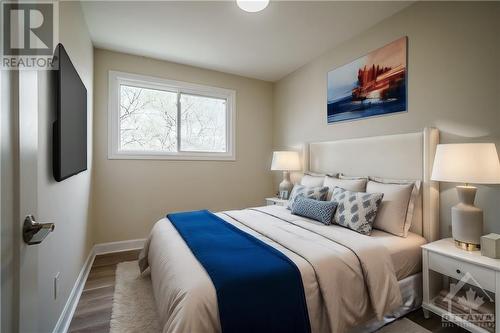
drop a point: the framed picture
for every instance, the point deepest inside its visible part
(283, 195)
(372, 85)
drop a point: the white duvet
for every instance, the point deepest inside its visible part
(348, 277)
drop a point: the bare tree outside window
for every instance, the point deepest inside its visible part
(203, 123)
(161, 119)
(148, 119)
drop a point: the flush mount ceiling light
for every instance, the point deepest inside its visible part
(252, 6)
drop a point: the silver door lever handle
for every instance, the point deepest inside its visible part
(34, 232)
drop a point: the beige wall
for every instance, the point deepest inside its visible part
(65, 203)
(453, 84)
(131, 195)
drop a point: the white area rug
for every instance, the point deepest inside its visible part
(134, 308)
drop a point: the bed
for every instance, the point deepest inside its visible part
(352, 282)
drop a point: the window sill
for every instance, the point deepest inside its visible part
(175, 156)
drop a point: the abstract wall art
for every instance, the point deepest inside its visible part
(373, 85)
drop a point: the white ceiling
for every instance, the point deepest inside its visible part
(220, 36)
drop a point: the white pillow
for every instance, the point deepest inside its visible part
(395, 214)
(353, 185)
(342, 176)
(312, 180)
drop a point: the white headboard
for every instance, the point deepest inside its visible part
(401, 156)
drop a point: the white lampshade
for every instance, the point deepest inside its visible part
(286, 161)
(475, 163)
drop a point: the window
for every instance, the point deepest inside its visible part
(151, 118)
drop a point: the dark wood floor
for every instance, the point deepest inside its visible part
(434, 323)
(93, 312)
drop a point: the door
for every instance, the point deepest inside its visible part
(28, 194)
(19, 154)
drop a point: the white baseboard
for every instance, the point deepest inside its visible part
(62, 324)
(133, 244)
(64, 321)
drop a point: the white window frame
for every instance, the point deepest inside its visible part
(116, 79)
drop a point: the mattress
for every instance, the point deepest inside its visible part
(405, 253)
(411, 292)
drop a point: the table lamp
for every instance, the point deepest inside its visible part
(285, 161)
(467, 163)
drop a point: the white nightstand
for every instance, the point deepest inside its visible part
(443, 265)
(276, 201)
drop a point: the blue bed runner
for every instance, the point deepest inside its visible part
(258, 288)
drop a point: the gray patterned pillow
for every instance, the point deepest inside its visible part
(321, 211)
(317, 193)
(356, 210)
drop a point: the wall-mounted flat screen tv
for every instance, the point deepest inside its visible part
(70, 127)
